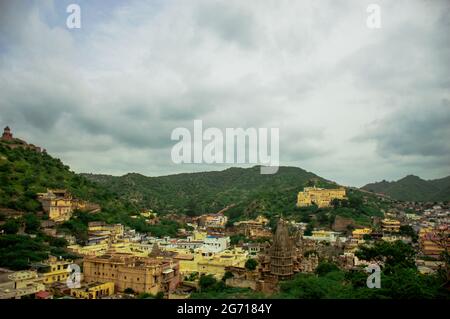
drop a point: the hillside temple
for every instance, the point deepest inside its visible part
(59, 204)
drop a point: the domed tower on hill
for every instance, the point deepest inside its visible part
(7, 135)
(282, 253)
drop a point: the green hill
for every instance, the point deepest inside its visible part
(25, 172)
(413, 188)
(206, 192)
(243, 192)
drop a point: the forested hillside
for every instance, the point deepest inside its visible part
(413, 188)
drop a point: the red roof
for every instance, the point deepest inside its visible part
(42, 294)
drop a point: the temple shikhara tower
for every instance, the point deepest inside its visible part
(281, 253)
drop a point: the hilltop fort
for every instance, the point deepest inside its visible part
(14, 142)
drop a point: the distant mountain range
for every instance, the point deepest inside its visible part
(413, 188)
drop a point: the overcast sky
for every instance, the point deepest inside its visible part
(353, 104)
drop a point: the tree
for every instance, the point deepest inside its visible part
(251, 264)
(355, 201)
(304, 286)
(11, 227)
(407, 230)
(396, 254)
(325, 268)
(308, 230)
(129, 291)
(32, 223)
(159, 295)
(227, 275)
(207, 282)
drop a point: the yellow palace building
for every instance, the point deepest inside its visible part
(319, 196)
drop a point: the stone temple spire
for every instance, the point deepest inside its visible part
(155, 251)
(281, 252)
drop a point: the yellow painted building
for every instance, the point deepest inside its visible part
(93, 290)
(19, 284)
(57, 204)
(90, 250)
(360, 232)
(150, 275)
(323, 235)
(255, 228)
(434, 241)
(218, 220)
(210, 263)
(149, 214)
(114, 231)
(319, 196)
(198, 235)
(54, 270)
(390, 225)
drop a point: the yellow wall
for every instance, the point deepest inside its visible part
(94, 291)
(319, 196)
(359, 233)
(391, 225)
(214, 264)
(91, 250)
(58, 270)
(144, 278)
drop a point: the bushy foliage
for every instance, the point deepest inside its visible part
(326, 267)
(17, 252)
(399, 278)
(211, 288)
(251, 264)
(390, 255)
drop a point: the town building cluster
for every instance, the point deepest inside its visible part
(118, 261)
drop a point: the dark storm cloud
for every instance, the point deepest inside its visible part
(106, 98)
(415, 131)
(145, 133)
(413, 56)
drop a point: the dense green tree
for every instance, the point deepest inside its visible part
(129, 291)
(326, 267)
(11, 226)
(32, 223)
(227, 275)
(396, 254)
(407, 230)
(251, 264)
(207, 282)
(309, 229)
